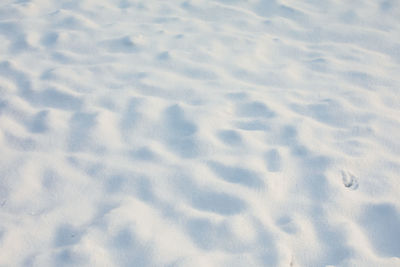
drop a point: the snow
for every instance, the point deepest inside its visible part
(199, 133)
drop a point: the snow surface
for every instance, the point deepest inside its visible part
(199, 133)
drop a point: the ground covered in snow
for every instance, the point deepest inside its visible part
(199, 133)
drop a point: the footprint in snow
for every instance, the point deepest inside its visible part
(349, 180)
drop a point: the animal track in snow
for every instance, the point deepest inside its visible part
(349, 180)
